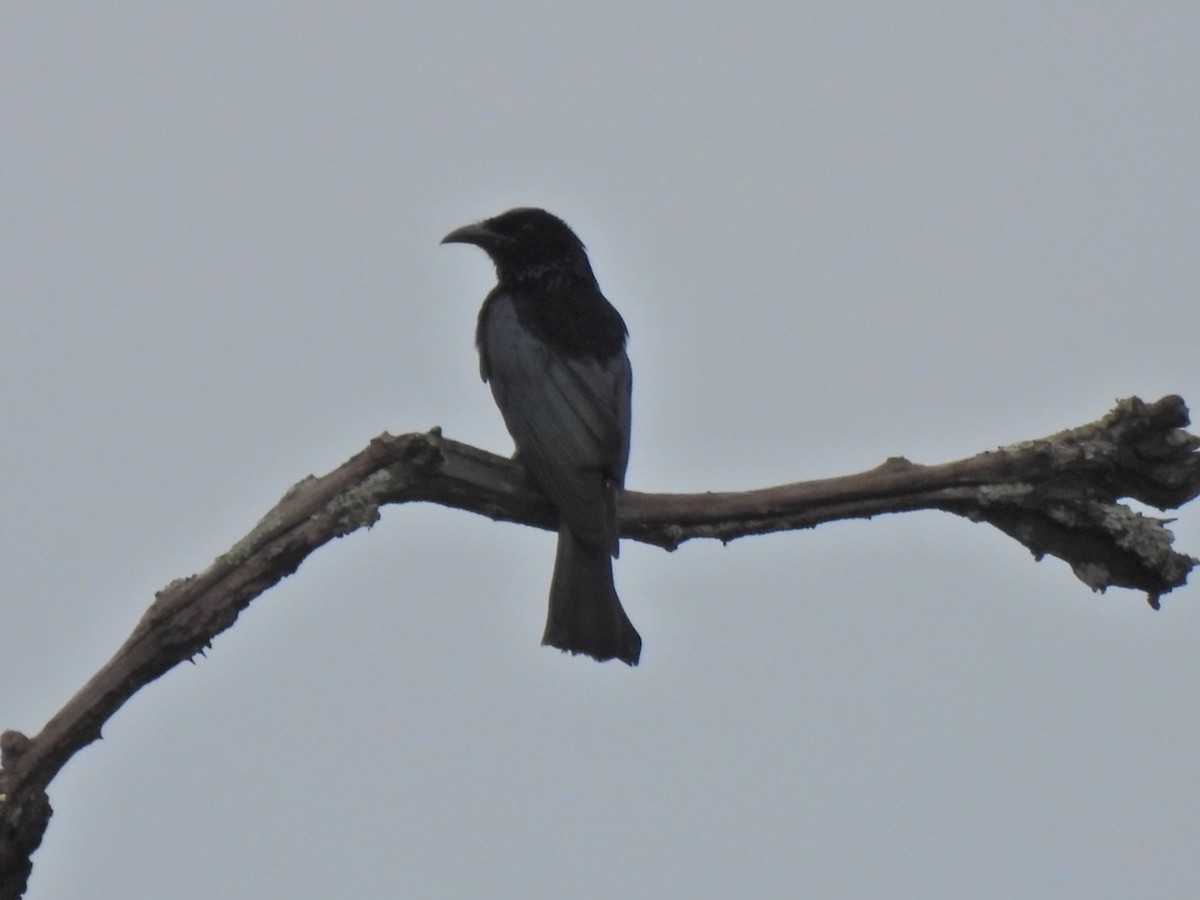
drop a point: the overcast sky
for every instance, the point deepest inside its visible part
(837, 232)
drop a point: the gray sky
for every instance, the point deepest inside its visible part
(837, 233)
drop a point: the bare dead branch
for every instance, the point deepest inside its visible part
(1057, 495)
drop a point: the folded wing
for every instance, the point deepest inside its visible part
(569, 418)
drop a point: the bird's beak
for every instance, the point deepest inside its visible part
(478, 234)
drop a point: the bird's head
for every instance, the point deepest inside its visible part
(527, 244)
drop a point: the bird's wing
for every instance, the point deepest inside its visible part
(569, 418)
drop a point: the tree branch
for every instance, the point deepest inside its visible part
(1057, 495)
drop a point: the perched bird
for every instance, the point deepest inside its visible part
(552, 349)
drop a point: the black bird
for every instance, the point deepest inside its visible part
(553, 350)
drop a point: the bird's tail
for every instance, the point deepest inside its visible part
(585, 613)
